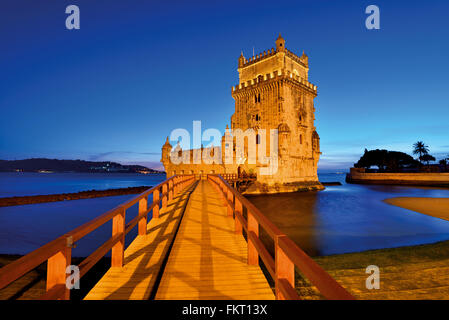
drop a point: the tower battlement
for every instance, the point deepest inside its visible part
(274, 60)
(276, 75)
(303, 60)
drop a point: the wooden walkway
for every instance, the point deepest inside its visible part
(143, 258)
(207, 260)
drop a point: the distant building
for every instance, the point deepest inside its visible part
(273, 93)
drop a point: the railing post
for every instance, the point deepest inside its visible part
(253, 226)
(170, 190)
(143, 207)
(230, 198)
(284, 268)
(175, 186)
(56, 270)
(156, 201)
(223, 192)
(118, 229)
(164, 195)
(238, 211)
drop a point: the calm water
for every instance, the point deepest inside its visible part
(25, 228)
(351, 218)
(339, 219)
(29, 183)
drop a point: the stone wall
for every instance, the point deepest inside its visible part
(357, 175)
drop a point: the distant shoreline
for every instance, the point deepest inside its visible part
(44, 165)
(89, 194)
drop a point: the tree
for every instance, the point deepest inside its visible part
(392, 161)
(421, 149)
(427, 158)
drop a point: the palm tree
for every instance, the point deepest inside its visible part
(420, 148)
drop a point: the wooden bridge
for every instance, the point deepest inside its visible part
(202, 242)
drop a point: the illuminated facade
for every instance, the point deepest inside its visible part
(273, 93)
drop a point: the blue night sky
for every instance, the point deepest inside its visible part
(114, 89)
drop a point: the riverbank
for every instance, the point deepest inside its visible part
(435, 207)
(15, 201)
(409, 273)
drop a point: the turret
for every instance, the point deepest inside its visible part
(304, 58)
(280, 43)
(166, 149)
(242, 60)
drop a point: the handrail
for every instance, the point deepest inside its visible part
(287, 254)
(57, 253)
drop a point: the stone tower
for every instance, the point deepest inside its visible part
(274, 93)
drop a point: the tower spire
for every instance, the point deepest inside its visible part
(280, 43)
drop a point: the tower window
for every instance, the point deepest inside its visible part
(258, 98)
(258, 139)
(300, 139)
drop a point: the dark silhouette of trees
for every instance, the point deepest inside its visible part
(389, 161)
(427, 158)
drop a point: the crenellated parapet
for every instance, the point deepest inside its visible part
(261, 56)
(303, 60)
(274, 77)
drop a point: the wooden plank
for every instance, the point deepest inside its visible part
(143, 258)
(208, 260)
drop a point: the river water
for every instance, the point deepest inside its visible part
(340, 219)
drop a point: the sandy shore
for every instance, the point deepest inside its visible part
(435, 207)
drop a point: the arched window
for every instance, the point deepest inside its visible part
(258, 98)
(300, 139)
(258, 139)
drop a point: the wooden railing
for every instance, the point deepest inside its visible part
(57, 253)
(287, 255)
(230, 176)
(235, 176)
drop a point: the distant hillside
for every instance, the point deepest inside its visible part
(55, 165)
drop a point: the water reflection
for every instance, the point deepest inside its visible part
(351, 218)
